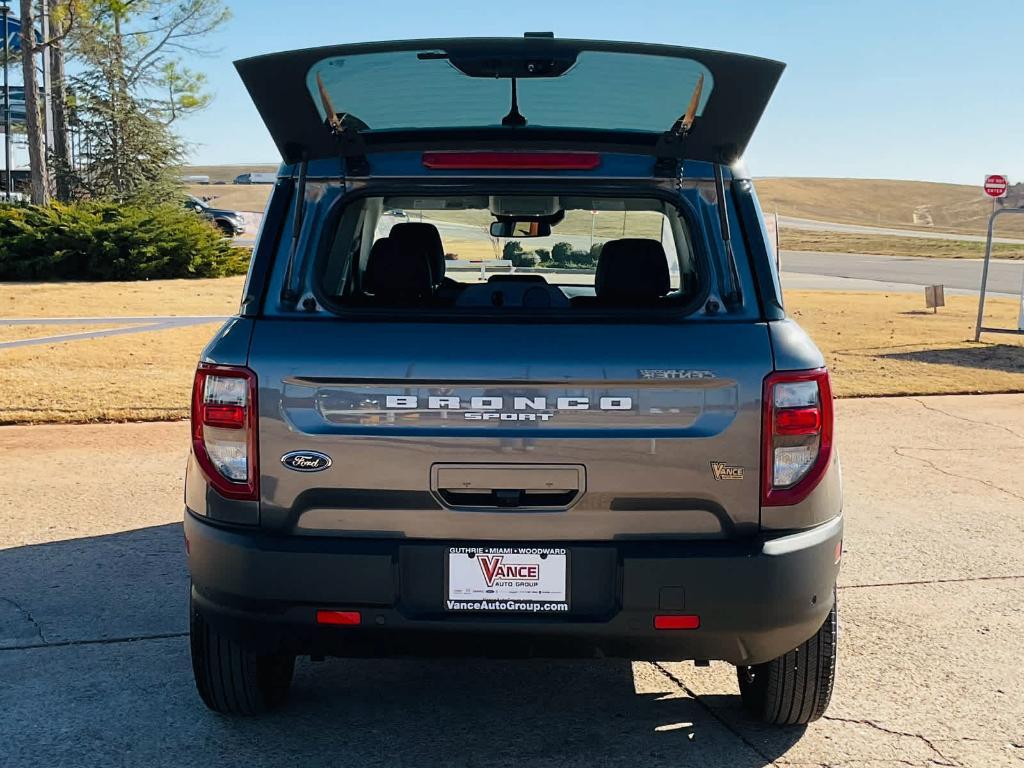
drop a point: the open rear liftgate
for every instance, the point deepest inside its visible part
(978, 327)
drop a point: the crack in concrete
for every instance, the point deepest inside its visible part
(932, 408)
(725, 723)
(927, 462)
(963, 580)
(872, 724)
(855, 761)
(28, 616)
(100, 641)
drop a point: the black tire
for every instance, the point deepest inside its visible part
(225, 228)
(232, 680)
(795, 688)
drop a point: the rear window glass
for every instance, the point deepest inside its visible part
(510, 253)
(603, 90)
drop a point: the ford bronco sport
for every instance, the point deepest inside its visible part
(512, 376)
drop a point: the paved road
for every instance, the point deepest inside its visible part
(789, 222)
(125, 325)
(94, 664)
(962, 274)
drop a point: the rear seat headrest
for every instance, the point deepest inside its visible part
(420, 236)
(393, 274)
(633, 269)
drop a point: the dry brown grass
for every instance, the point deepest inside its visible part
(875, 344)
(888, 344)
(237, 197)
(140, 377)
(214, 296)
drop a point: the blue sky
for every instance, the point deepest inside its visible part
(898, 89)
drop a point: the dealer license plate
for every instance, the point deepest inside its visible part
(530, 579)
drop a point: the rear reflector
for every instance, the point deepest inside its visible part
(677, 622)
(511, 161)
(798, 421)
(346, 618)
(224, 416)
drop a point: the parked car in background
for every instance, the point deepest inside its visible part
(231, 223)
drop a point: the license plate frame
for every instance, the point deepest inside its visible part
(514, 579)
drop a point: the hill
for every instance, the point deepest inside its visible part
(957, 208)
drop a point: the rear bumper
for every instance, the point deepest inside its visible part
(756, 600)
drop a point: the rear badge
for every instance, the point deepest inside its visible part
(675, 374)
(724, 471)
(306, 461)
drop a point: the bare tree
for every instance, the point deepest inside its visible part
(62, 21)
(40, 180)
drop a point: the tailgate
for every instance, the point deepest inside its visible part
(510, 93)
(445, 431)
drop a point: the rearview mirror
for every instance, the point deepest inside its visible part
(520, 228)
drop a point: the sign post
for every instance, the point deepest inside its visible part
(1020, 315)
(996, 186)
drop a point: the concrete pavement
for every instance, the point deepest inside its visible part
(94, 666)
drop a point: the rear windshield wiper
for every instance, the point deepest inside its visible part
(514, 118)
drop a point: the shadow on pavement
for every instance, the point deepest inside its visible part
(997, 357)
(75, 693)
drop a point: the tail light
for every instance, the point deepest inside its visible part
(797, 435)
(224, 429)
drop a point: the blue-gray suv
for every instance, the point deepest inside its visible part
(512, 376)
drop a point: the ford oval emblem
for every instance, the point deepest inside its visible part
(306, 461)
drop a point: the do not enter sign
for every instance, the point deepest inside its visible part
(995, 185)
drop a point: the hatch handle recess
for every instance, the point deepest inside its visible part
(519, 487)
